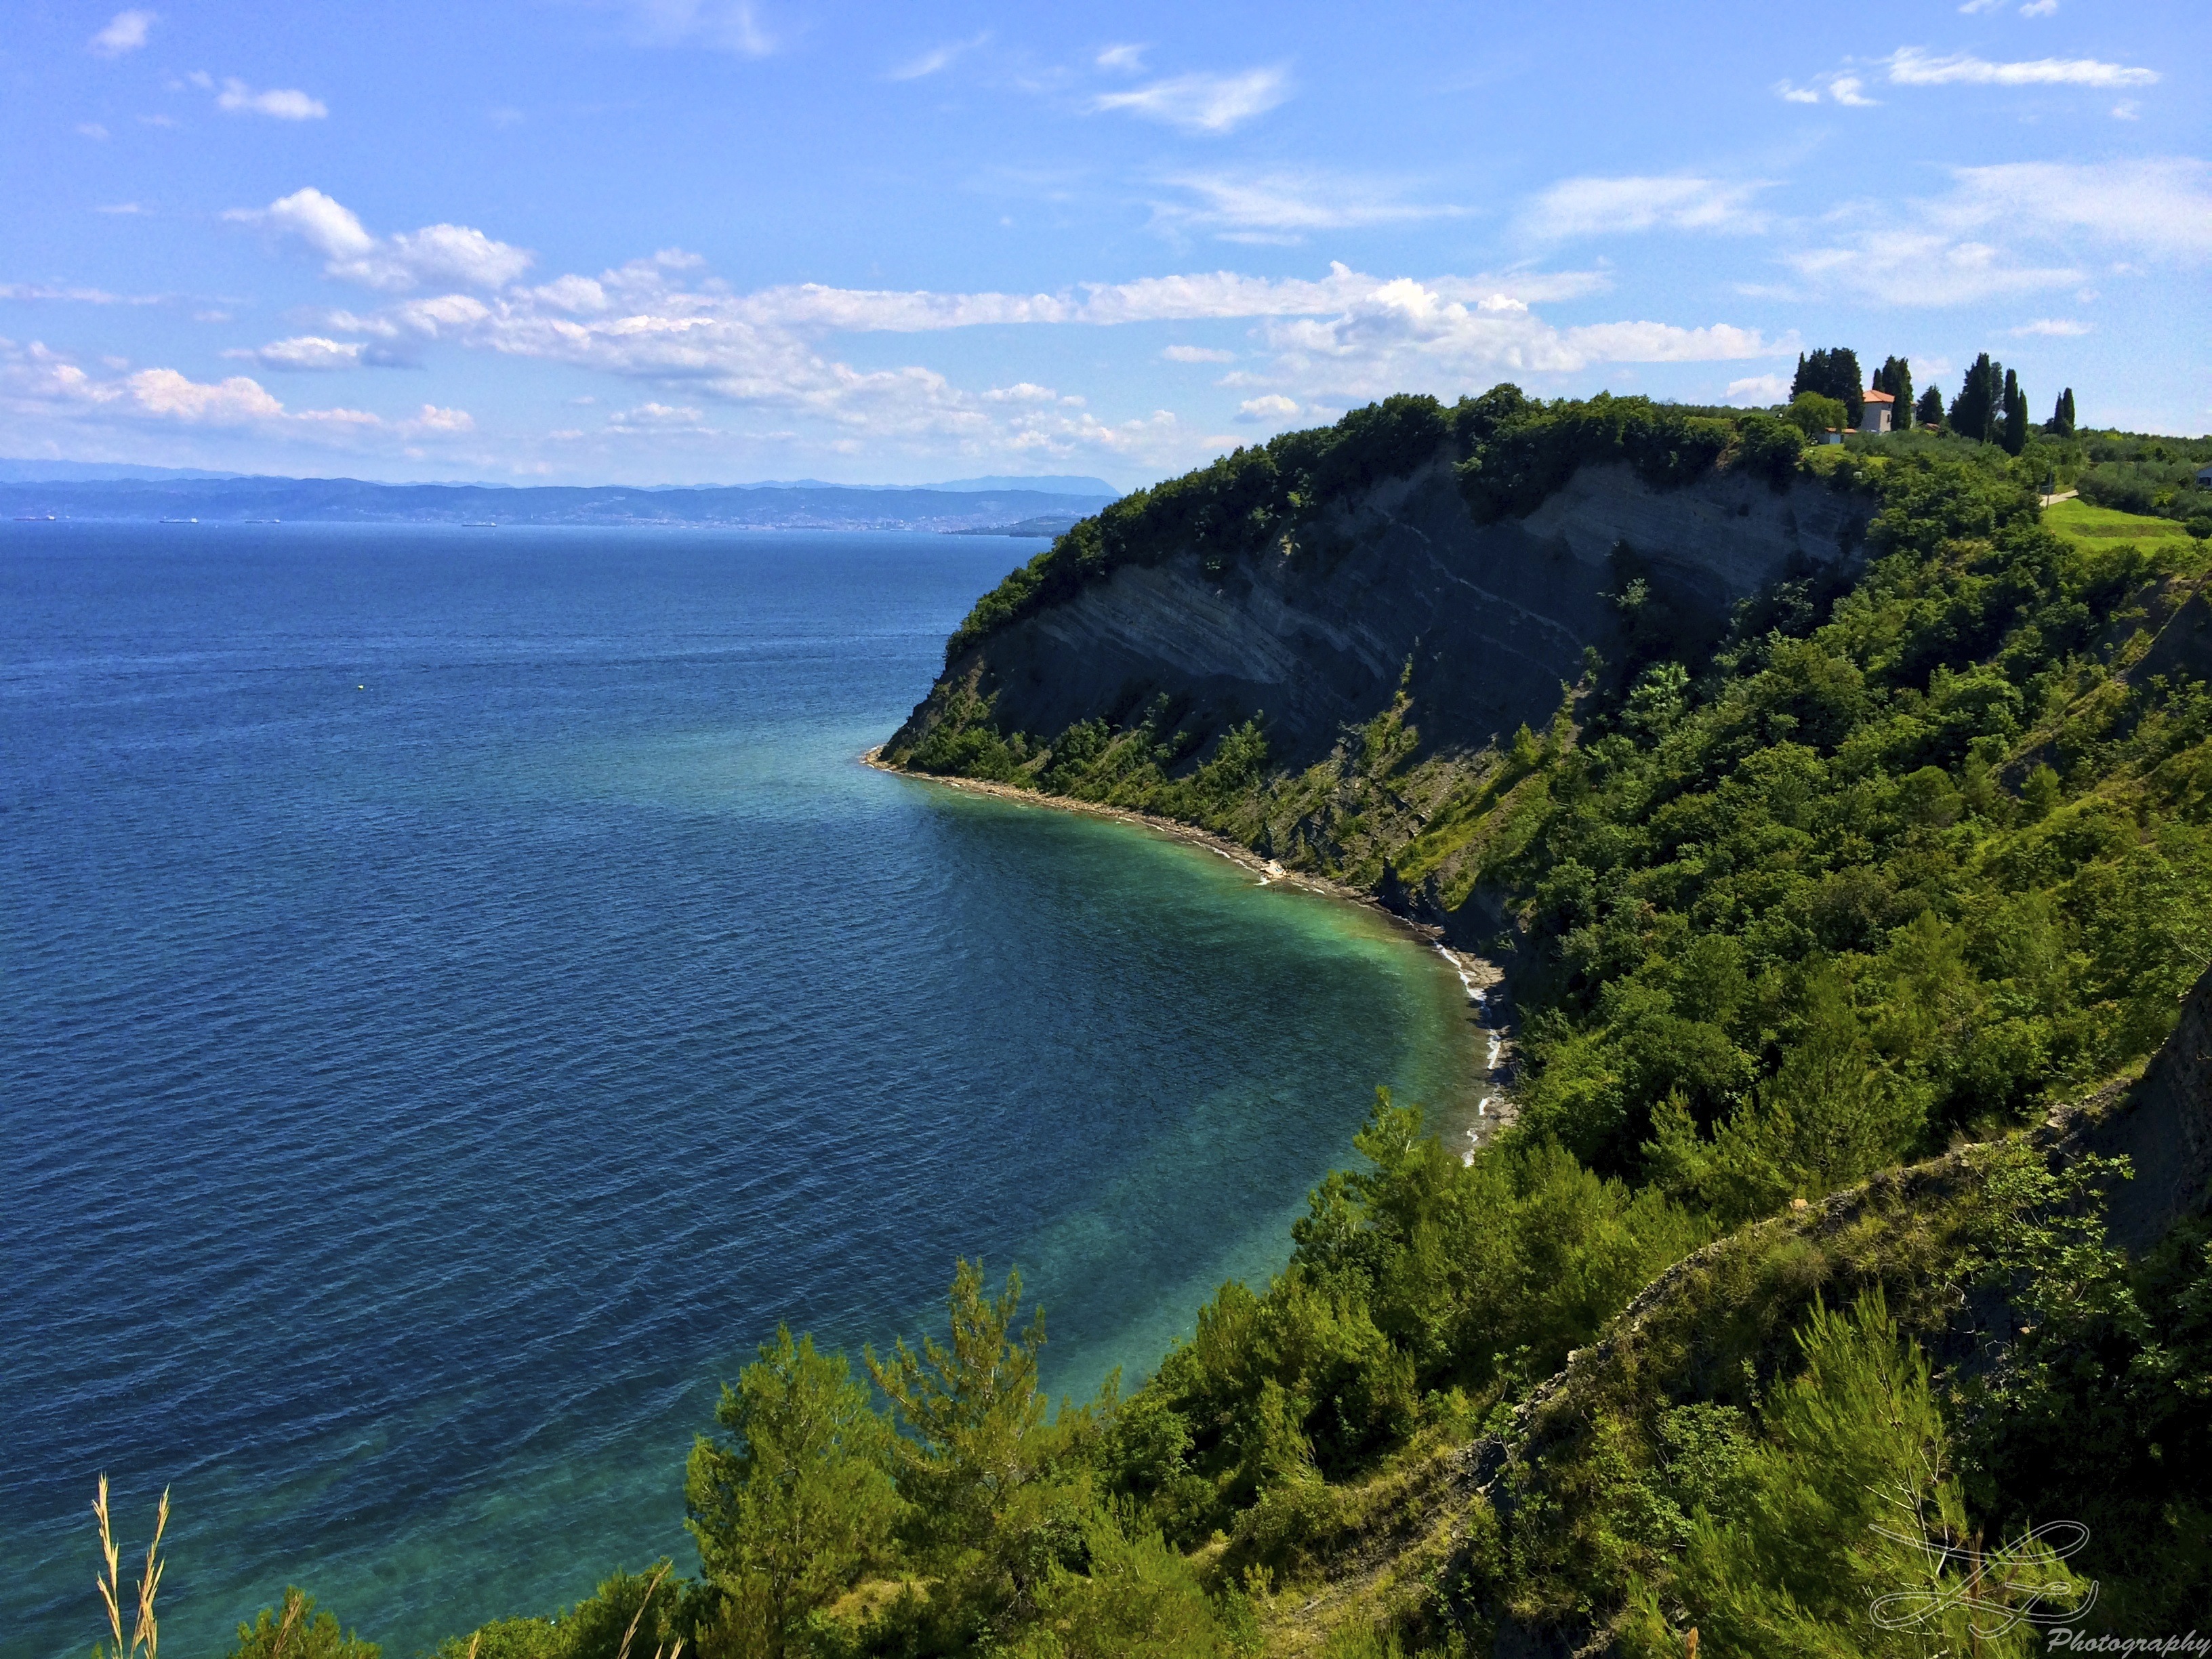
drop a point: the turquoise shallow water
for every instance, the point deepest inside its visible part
(462, 991)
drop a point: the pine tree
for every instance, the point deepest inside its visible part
(798, 1502)
(1001, 1493)
(1853, 1536)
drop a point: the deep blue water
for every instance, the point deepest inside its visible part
(461, 991)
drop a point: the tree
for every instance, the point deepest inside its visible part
(1928, 412)
(1136, 1596)
(1895, 377)
(2060, 424)
(798, 1501)
(1979, 406)
(1813, 413)
(2015, 434)
(1833, 373)
(1854, 1538)
(1833, 1114)
(1000, 1495)
(300, 1633)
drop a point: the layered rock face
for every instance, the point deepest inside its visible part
(1492, 618)
(2162, 1124)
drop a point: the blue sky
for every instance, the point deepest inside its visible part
(697, 240)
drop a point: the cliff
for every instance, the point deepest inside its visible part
(1483, 621)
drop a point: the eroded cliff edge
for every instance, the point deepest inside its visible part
(1398, 585)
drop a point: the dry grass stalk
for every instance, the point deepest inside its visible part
(644, 1601)
(295, 1602)
(145, 1630)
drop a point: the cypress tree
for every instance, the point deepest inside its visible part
(1847, 382)
(1833, 372)
(2060, 424)
(1928, 412)
(1979, 407)
(1895, 377)
(2016, 416)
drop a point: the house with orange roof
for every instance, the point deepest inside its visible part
(1879, 413)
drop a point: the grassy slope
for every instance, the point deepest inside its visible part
(2087, 526)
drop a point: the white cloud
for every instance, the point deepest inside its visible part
(1282, 207)
(1972, 7)
(284, 103)
(91, 130)
(1924, 267)
(2128, 109)
(305, 351)
(86, 296)
(1191, 353)
(237, 401)
(1757, 391)
(731, 26)
(937, 57)
(1836, 86)
(1910, 66)
(327, 225)
(1203, 103)
(430, 419)
(2018, 227)
(2053, 328)
(1274, 409)
(1915, 66)
(1591, 206)
(573, 295)
(126, 31)
(38, 381)
(2039, 8)
(316, 351)
(1407, 335)
(2161, 206)
(435, 253)
(456, 253)
(645, 323)
(1664, 342)
(1128, 59)
(653, 413)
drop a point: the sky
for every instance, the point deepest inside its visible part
(655, 241)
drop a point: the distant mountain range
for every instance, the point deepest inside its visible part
(87, 471)
(1036, 507)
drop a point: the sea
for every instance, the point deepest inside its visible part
(463, 991)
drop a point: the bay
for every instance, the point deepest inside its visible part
(462, 991)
